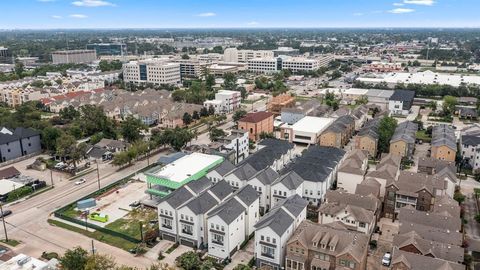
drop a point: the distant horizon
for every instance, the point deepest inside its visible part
(232, 14)
(253, 28)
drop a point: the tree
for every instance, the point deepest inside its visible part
(187, 119)
(335, 75)
(433, 105)
(203, 112)
(449, 104)
(49, 138)
(67, 147)
(189, 261)
(195, 115)
(120, 159)
(69, 113)
(211, 110)
(100, 262)
(209, 82)
(239, 114)
(75, 259)
(185, 56)
(19, 69)
(131, 129)
(215, 133)
(242, 267)
(229, 81)
(386, 128)
(266, 135)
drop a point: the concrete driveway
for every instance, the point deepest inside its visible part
(242, 256)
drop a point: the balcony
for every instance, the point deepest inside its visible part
(216, 242)
(187, 232)
(268, 255)
(166, 226)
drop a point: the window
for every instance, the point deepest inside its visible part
(181, 216)
(262, 238)
(274, 240)
(166, 223)
(223, 228)
(268, 239)
(361, 224)
(187, 229)
(217, 239)
(268, 251)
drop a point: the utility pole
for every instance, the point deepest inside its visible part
(3, 221)
(93, 249)
(98, 175)
(51, 177)
(141, 231)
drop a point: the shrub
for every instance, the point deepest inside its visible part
(373, 244)
(172, 248)
(49, 255)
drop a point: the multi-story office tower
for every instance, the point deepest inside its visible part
(108, 48)
(152, 71)
(74, 56)
(234, 55)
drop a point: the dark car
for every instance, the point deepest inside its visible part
(5, 213)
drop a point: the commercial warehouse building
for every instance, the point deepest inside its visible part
(163, 180)
(74, 56)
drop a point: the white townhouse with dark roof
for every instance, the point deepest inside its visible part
(275, 228)
(231, 222)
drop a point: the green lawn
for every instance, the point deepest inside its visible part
(126, 226)
(11, 242)
(102, 237)
(422, 135)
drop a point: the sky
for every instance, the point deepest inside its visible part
(55, 14)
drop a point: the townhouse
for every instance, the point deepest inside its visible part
(167, 207)
(217, 173)
(326, 246)
(226, 101)
(402, 142)
(231, 222)
(413, 189)
(317, 166)
(402, 260)
(192, 221)
(367, 137)
(386, 171)
(279, 102)
(275, 228)
(432, 166)
(444, 143)
(356, 212)
(352, 170)
(339, 132)
(15, 143)
(286, 186)
(401, 102)
(470, 145)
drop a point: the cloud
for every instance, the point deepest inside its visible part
(92, 3)
(358, 14)
(398, 4)
(56, 17)
(401, 10)
(78, 16)
(252, 23)
(207, 14)
(420, 2)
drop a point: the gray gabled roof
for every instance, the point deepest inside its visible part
(278, 219)
(199, 185)
(270, 150)
(206, 201)
(245, 171)
(267, 176)
(290, 180)
(470, 140)
(228, 211)
(224, 167)
(221, 189)
(403, 95)
(178, 197)
(25, 132)
(247, 195)
(316, 163)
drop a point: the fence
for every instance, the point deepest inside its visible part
(60, 212)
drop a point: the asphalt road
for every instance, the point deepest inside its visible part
(28, 223)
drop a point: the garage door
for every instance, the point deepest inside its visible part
(168, 237)
(187, 243)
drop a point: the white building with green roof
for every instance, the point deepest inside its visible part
(163, 179)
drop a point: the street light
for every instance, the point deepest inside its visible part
(3, 221)
(86, 212)
(98, 174)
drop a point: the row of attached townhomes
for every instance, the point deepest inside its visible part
(470, 145)
(429, 240)
(444, 143)
(403, 139)
(15, 143)
(367, 137)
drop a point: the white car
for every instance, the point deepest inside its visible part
(387, 259)
(80, 181)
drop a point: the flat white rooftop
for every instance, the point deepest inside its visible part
(311, 124)
(187, 166)
(7, 186)
(426, 77)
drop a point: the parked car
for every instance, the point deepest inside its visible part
(134, 204)
(60, 165)
(6, 213)
(80, 181)
(387, 259)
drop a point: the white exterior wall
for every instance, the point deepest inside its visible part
(214, 176)
(252, 216)
(280, 242)
(158, 72)
(172, 213)
(234, 181)
(396, 108)
(473, 153)
(348, 181)
(234, 236)
(197, 227)
(262, 65)
(264, 192)
(284, 190)
(314, 191)
(343, 216)
(243, 147)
